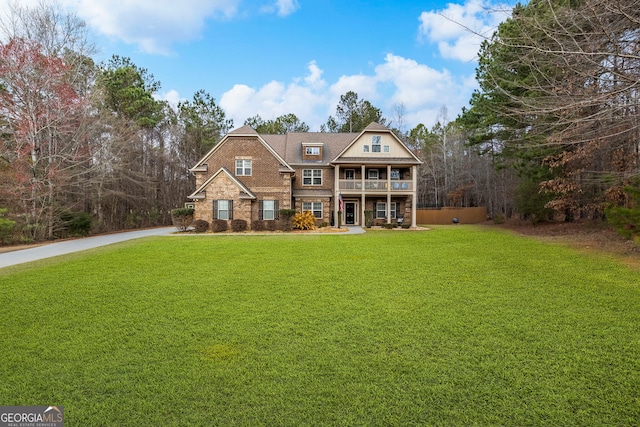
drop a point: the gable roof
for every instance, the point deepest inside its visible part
(247, 131)
(287, 148)
(199, 193)
(375, 127)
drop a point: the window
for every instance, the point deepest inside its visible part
(312, 177)
(387, 149)
(312, 151)
(381, 210)
(268, 209)
(365, 148)
(372, 173)
(243, 167)
(349, 174)
(223, 209)
(375, 143)
(395, 174)
(313, 207)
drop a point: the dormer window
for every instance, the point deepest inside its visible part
(312, 151)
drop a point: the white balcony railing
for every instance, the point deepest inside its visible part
(375, 185)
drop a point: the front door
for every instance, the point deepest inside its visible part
(349, 213)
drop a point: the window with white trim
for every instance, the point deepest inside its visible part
(395, 173)
(243, 167)
(381, 210)
(268, 209)
(375, 143)
(313, 207)
(223, 209)
(312, 151)
(312, 177)
(372, 174)
(365, 148)
(387, 149)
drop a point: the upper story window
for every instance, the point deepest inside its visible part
(349, 174)
(395, 174)
(243, 167)
(312, 151)
(312, 177)
(373, 174)
(365, 148)
(375, 143)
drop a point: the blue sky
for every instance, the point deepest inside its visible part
(274, 57)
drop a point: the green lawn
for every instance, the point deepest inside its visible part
(455, 326)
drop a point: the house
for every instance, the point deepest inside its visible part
(251, 176)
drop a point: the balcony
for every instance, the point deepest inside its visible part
(375, 185)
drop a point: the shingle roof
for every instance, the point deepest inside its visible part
(289, 146)
(243, 130)
(313, 193)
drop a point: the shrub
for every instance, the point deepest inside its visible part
(200, 226)
(532, 203)
(626, 220)
(219, 225)
(77, 223)
(390, 226)
(6, 227)
(405, 226)
(304, 221)
(182, 218)
(286, 215)
(324, 224)
(257, 225)
(368, 218)
(271, 225)
(238, 225)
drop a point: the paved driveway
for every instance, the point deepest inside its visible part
(76, 245)
(68, 246)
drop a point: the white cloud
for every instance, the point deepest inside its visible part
(155, 25)
(459, 29)
(302, 97)
(172, 97)
(287, 7)
(152, 25)
(420, 88)
(282, 8)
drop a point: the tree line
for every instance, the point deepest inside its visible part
(552, 129)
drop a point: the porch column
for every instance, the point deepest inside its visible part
(363, 192)
(363, 199)
(336, 196)
(388, 194)
(414, 195)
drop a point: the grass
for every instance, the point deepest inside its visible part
(455, 326)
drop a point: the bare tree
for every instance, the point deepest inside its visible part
(561, 81)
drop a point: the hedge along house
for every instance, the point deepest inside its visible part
(252, 176)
